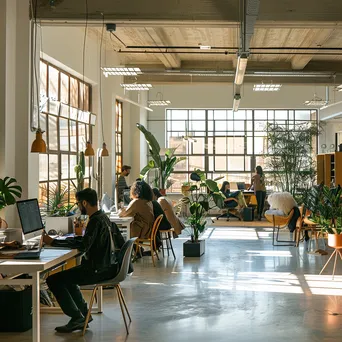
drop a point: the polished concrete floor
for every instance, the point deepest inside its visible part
(241, 289)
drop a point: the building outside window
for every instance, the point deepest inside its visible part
(223, 142)
(66, 119)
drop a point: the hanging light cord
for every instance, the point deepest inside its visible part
(101, 105)
(84, 48)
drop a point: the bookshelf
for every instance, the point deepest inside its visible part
(329, 168)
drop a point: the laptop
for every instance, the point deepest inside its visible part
(31, 254)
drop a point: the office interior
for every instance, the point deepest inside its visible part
(242, 288)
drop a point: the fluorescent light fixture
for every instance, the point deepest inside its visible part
(159, 103)
(236, 102)
(205, 47)
(121, 71)
(338, 88)
(315, 103)
(136, 86)
(240, 69)
(267, 87)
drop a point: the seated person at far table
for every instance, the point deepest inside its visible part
(231, 200)
(141, 209)
(98, 261)
(169, 213)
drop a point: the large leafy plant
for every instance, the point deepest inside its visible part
(9, 190)
(325, 205)
(56, 204)
(165, 163)
(204, 195)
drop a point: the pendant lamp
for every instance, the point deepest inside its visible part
(89, 151)
(104, 152)
(38, 145)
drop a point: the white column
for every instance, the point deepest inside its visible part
(14, 95)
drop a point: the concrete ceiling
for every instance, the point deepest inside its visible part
(301, 41)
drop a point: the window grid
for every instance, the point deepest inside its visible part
(219, 129)
(118, 136)
(67, 130)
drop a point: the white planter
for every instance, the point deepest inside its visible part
(60, 224)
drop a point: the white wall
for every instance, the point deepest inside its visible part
(221, 96)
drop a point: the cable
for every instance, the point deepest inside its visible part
(101, 105)
(84, 48)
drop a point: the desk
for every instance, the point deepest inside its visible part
(49, 258)
(123, 222)
(249, 197)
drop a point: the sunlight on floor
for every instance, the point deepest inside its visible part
(324, 285)
(234, 234)
(272, 253)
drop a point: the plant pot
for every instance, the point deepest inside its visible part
(162, 191)
(63, 224)
(193, 249)
(185, 190)
(335, 240)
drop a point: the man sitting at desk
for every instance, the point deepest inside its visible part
(97, 262)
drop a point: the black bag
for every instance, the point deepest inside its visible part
(248, 214)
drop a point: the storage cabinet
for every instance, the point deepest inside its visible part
(329, 168)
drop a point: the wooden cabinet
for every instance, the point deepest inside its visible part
(329, 168)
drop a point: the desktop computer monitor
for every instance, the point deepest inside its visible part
(30, 218)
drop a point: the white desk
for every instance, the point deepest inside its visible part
(123, 222)
(49, 258)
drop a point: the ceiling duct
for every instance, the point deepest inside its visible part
(250, 11)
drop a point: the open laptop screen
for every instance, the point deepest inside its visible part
(30, 218)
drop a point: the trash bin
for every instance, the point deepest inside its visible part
(16, 310)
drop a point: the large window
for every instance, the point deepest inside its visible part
(223, 142)
(118, 136)
(66, 119)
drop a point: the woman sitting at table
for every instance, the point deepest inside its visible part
(230, 201)
(141, 209)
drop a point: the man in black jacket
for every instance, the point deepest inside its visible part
(98, 261)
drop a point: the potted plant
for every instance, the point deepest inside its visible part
(186, 188)
(58, 212)
(9, 190)
(325, 205)
(204, 195)
(80, 172)
(165, 162)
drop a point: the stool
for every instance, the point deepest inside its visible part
(165, 235)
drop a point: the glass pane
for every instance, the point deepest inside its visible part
(64, 88)
(63, 134)
(181, 166)
(64, 110)
(221, 126)
(249, 145)
(260, 145)
(249, 114)
(53, 107)
(83, 116)
(93, 119)
(220, 163)
(83, 97)
(197, 115)
(73, 113)
(240, 115)
(87, 167)
(196, 163)
(53, 136)
(178, 126)
(302, 115)
(43, 167)
(210, 145)
(73, 92)
(236, 163)
(178, 179)
(260, 114)
(53, 82)
(73, 136)
(197, 126)
(73, 162)
(249, 126)
(220, 114)
(239, 125)
(221, 145)
(53, 167)
(81, 136)
(236, 145)
(280, 114)
(42, 196)
(260, 125)
(248, 164)
(72, 192)
(65, 166)
(43, 79)
(43, 122)
(211, 163)
(198, 146)
(178, 114)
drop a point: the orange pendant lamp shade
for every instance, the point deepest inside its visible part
(104, 152)
(89, 150)
(38, 145)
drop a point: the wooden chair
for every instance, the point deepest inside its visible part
(115, 282)
(150, 241)
(280, 222)
(166, 235)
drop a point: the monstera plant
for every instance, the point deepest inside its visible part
(9, 190)
(164, 163)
